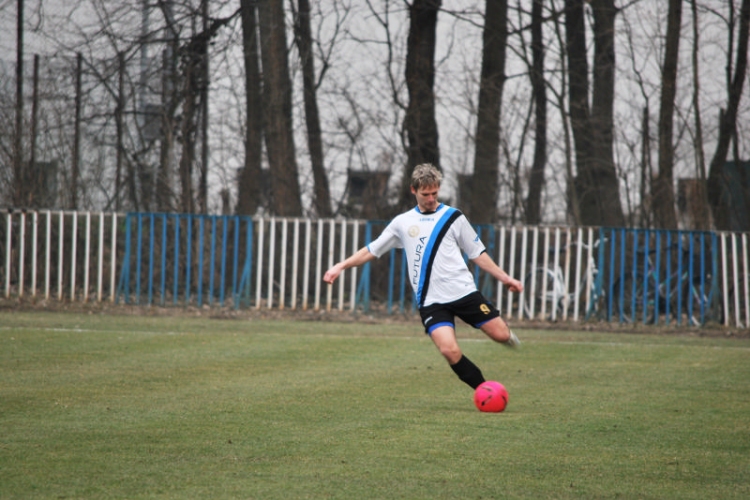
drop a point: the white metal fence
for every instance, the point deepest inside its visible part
(570, 274)
(59, 255)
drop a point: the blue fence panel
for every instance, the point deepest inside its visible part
(177, 269)
(659, 276)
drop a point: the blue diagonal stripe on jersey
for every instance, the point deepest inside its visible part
(438, 233)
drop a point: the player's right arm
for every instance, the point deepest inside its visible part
(361, 257)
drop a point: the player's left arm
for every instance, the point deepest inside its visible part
(488, 265)
(471, 244)
(360, 257)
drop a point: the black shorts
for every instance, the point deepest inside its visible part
(473, 309)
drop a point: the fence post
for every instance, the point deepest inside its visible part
(151, 233)
(363, 291)
(125, 276)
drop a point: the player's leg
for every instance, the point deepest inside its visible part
(479, 312)
(498, 330)
(444, 338)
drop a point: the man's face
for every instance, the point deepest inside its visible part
(426, 198)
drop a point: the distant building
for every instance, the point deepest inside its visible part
(366, 194)
(692, 204)
(736, 187)
(42, 185)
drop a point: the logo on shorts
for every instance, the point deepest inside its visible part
(414, 231)
(484, 308)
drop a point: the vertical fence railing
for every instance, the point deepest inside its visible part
(173, 249)
(735, 279)
(659, 277)
(558, 268)
(55, 254)
(682, 278)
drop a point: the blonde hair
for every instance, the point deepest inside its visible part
(425, 175)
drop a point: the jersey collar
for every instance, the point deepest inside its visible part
(439, 207)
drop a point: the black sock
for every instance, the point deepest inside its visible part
(468, 372)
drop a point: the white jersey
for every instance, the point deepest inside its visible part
(433, 243)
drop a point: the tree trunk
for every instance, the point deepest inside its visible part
(166, 147)
(578, 92)
(119, 126)
(663, 189)
(596, 185)
(170, 100)
(322, 199)
(703, 221)
(34, 184)
(75, 164)
(561, 97)
(536, 180)
(277, 96)
(419, 123)
(718, 194)
(18, 177)
(645, 212)
(483, 201)
(188, 135)
(203, 112)
(250, 179)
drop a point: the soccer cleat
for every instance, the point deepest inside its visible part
(512, 341)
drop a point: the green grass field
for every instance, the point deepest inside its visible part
(96, 406)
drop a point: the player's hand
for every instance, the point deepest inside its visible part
(331, 275)
(514, 286)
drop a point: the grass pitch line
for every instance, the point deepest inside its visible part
(86, 330)
(416, 336)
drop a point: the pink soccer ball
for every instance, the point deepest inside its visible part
(491, 397)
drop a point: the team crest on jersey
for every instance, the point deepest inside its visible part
(414, 231)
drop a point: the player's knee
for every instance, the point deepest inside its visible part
(497, 330)
(452, 353)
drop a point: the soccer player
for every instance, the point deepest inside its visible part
(433, 236)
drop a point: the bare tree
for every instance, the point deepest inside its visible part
(303, 38)
(277, 96)
(718, 183)
(18, 184)
(170, 101)
(663, 189)
(195, 82)
(597, 187)
(119, 127)
(33, 189)
(484, 184)
(536, 179)
(75, 163)
(203, 96)
(190, 79)
(420, 126)
(645, 168)
(704, 212)
(560, 99)
(639, 213)
(250, 178)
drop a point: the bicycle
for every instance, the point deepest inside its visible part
(648, 291)
(548, 290)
